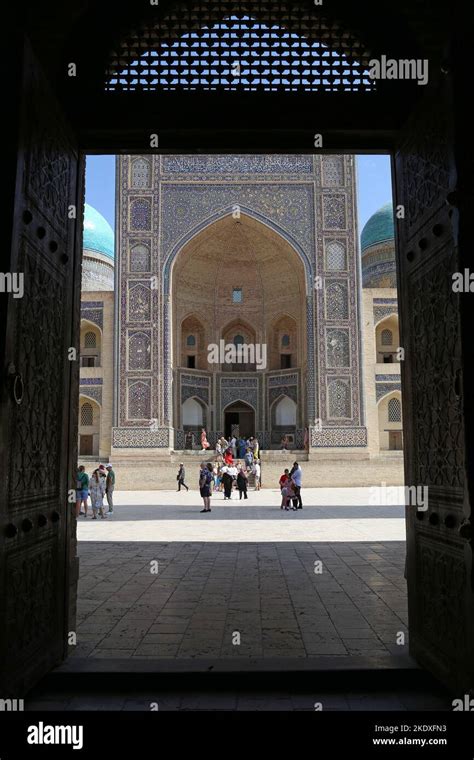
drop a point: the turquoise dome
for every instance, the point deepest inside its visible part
(378, 228)
(98, 234)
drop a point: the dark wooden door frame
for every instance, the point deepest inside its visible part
(343, 121)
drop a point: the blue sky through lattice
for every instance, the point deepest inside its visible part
(195, 60)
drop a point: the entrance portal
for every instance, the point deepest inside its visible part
(239, 419)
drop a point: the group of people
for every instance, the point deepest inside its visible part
(214, 477)
(290, 487)
(228, 476)
(101, 483)
(217, 477)
(225, 474)
(235, 448)
(220, 476)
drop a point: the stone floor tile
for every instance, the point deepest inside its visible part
(259, 584)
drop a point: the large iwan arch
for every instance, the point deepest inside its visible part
(235, 274)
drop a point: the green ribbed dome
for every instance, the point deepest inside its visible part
(378, 228)
(98, 234)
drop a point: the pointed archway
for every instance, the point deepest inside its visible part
(239, 420)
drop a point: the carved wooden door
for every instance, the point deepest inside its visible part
(439, 550)
(38, 567)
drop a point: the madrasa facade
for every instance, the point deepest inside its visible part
(236, 296)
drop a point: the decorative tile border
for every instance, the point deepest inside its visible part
(380, 312)
(383, 389)
(87, 391)
(339, 437)
(95, 315)
(140, 438)
(192, 167)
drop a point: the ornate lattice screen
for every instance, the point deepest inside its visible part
(240, 46)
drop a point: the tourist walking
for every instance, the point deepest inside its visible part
(109, 488)
(227, 481)
(233, 446)
(242, 483)
(181, 476)
(204, 442)
(205, 477)
(217, 479)
(249, 457)
(97, 491)
(242, 447)
(257, 471)
(296, 476)
(256, 449)
(82, 490)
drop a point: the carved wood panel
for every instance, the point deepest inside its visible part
(39, 397)
(39, 336)
(438, 558)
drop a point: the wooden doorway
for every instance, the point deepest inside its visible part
(86, 445)
(240, 414)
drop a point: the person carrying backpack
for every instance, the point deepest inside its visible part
(205, 478)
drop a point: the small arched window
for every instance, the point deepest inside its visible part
(394, 410)
(87, 415)
(238, 340)
(191, 341)
(386, 338)
(90, 340)
(285, 341)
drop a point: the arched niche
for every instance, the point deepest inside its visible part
(241, 334)
(193, 415)
(89, 426)
(387, 340)
(284, 418)
(192, 343)
(390, 422)
(283, 343)
(285, 412)
(239, 419)
(90, 344)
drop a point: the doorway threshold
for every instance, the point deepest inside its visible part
(313, 665)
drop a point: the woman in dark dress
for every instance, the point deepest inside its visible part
(242, 483)
(227, 482)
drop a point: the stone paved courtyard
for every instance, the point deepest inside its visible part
(161, 580)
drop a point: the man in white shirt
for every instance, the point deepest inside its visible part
(296, 476)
